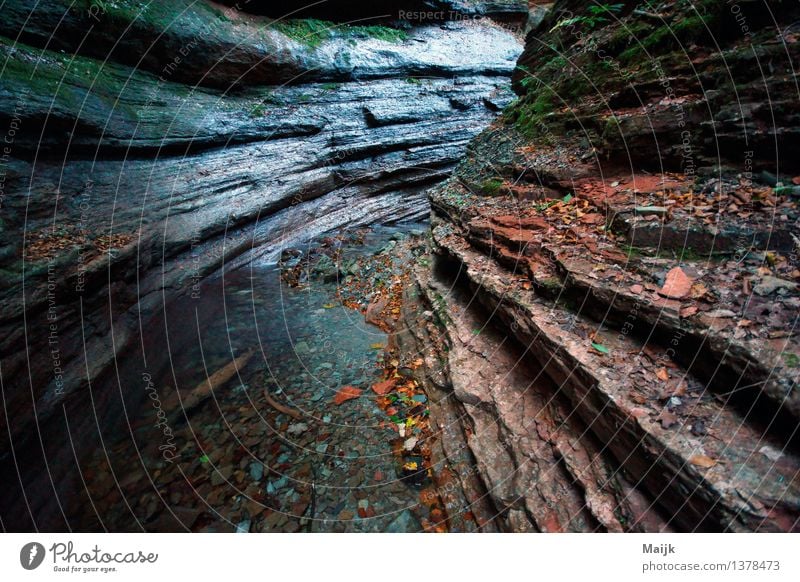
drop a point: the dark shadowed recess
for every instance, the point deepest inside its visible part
(347, 10)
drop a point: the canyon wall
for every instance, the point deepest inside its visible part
(610, 323)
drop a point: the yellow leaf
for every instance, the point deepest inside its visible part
(376, 346)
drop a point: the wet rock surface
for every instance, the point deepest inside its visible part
(128, 187)
(209, 45)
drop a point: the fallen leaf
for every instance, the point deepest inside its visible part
(674, 389)
(346, 393)
(376, 346)
(702, 461)
(600, 348)
(699, 290)
(662, 374)
(636, 289)
(677, 284)
(383, 388)
(667, 418)
(329, 306)
(688, 311)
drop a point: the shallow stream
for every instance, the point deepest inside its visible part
(237, 462)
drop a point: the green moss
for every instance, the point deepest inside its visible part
(491, 186)
(258, 110)
(71, 79)
(550, 285)
(384, 33)
(313, 32)
(791, 360)
(529, 114)
(671, 37)
(626, 35)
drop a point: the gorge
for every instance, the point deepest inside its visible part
(495, 266)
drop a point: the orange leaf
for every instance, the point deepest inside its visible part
(702, 461)
(383, 388)
(346, 393)
(677, 284)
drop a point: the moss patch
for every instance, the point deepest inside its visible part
(312, 32)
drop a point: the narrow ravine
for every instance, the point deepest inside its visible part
(399, 266)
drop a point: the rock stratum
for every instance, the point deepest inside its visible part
(610, 324)
(151, 145)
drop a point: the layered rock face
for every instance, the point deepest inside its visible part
(150, 146)
(610, 326)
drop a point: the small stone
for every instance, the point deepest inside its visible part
(721, 314)
(769, 285)
(256, 471)
(297, 428)
(651, 210)
(409, 444)
(674, 402)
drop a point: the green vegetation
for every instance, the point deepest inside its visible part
(60, 76)
(491, 186)
(697, 28)
(273, 99)
(595, 16)
(529, 113)
(791, 360)
(542, 206)
(313, 32)
(258, 110)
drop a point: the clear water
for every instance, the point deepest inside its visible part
(241, 464)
